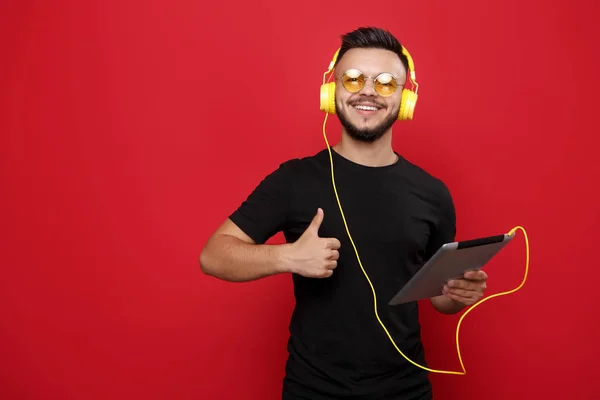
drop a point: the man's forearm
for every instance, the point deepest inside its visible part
(231, 259)
(446, 305)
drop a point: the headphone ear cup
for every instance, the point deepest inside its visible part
(407, 105)
(328, 98)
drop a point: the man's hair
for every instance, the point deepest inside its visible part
(371, 37)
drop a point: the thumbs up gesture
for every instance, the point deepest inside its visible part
(312, 256)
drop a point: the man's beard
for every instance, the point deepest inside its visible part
(368, 135)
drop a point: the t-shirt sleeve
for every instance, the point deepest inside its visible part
(265, 211)
(445, 228)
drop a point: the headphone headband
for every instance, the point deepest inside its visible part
(411, 64)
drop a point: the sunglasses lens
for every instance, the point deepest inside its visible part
(353, 80)
(385, 84)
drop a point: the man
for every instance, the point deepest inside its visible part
(398, 216)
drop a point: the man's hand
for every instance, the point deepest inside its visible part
(312, 256)
(467, 290)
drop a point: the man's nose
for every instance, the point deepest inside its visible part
(369, 87)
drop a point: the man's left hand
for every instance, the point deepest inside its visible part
(467, 290)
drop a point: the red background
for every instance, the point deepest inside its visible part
(126, 134)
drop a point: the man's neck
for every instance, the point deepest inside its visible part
(375, 154)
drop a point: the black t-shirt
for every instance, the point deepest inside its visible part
(398, 216)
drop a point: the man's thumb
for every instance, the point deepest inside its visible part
(316, 221)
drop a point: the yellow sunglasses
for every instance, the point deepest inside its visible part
(385, 83)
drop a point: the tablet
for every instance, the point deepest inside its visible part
(450, 261)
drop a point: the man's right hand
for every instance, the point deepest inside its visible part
(312, 256)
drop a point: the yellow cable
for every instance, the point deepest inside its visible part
(463, 372)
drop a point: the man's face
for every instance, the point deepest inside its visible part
(355, 110)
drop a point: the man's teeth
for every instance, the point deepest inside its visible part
(365, 108)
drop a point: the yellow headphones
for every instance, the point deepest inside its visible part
(409, 97)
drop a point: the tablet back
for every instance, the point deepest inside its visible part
(451, 261)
